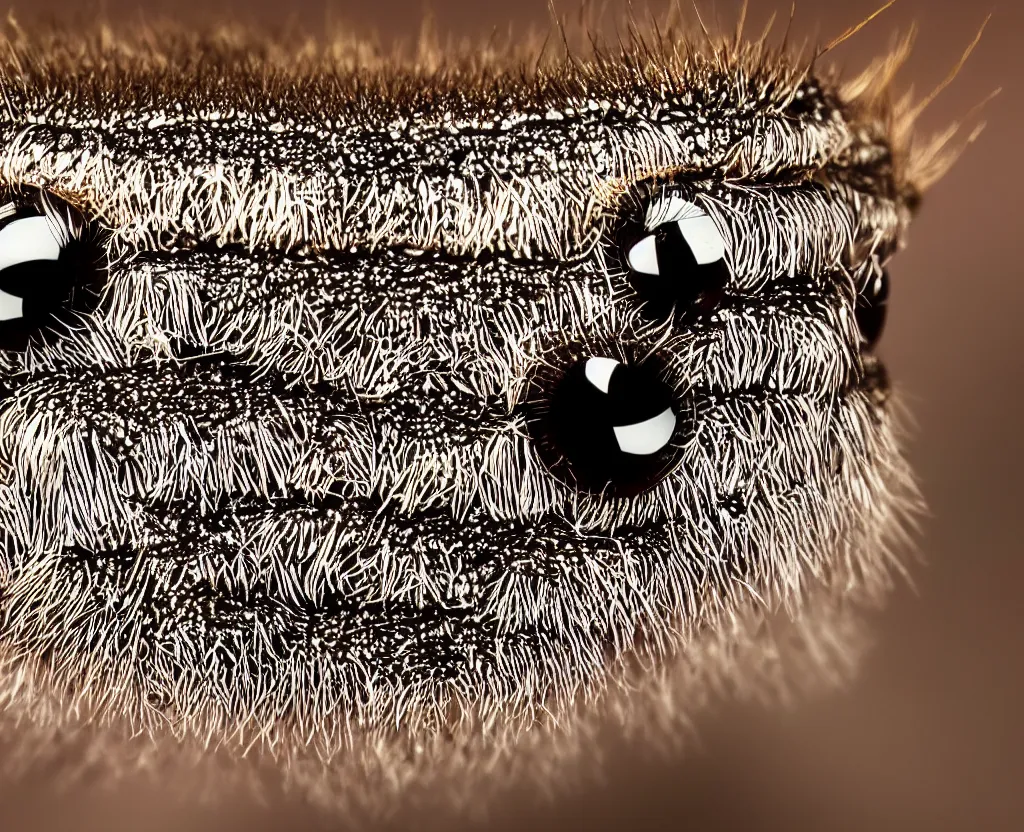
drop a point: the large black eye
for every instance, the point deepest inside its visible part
(607, 426)
(51, 266)
(871, 307)
(678, 261)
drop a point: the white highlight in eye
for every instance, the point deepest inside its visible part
(31, 238)
(599, 372)
(704, 239)
(643, 257)
(11, 307)
(646, 437)
(697, 227)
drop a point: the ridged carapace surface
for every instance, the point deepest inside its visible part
(415, 416)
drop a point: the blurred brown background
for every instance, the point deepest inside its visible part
(931, 737)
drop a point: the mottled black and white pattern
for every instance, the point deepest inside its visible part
(285, 485)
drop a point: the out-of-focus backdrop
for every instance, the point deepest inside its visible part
(931, 736)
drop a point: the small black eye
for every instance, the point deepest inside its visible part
(871, 307)
(678, 263)
(51, 264)
(607, 426)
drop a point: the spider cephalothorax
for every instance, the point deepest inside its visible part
(417, 405)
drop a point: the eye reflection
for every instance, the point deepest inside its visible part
(676, 261)
(52, 264)
(607, 426)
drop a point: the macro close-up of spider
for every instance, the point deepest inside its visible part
(509, 417)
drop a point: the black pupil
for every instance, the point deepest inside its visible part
(870, 309)
(667, 274)
(53, 266)
(607, 427)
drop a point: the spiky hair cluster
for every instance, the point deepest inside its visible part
(277, 492)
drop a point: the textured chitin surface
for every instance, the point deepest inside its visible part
(285, 478)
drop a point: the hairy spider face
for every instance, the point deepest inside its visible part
(432, 398)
